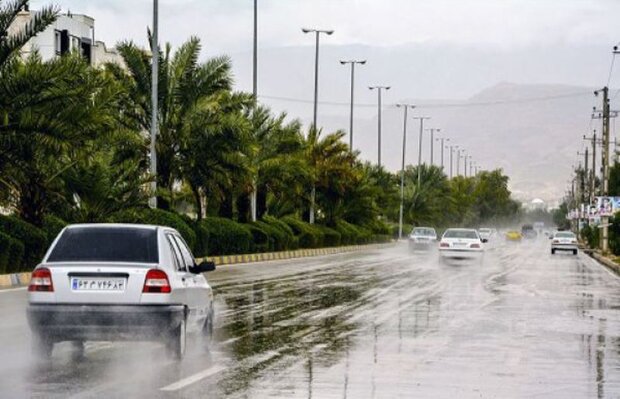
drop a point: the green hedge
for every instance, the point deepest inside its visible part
(33, 239)
(309, 235)
(291, 241)
(227, 237)
(260, 238)
(331, 237)
(157, 217)
(352, 234)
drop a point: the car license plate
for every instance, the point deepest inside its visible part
(459, 244)
(98, 284)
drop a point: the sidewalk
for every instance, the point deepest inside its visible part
(23, 279)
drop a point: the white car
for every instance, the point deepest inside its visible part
(104, 282)
(564, 241)
(422, 238)
(460, 244)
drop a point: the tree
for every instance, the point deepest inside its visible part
(13, 38)
(430, 203)
(186, 87)
(51, 111)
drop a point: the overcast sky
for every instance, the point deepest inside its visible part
(226, 25)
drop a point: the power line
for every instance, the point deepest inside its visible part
(438, 106)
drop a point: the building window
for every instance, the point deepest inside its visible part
(57, 42)
(76, 45)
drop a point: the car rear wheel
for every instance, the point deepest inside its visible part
(574, 252)
(177, 341)
(207, 329)
(553, 252)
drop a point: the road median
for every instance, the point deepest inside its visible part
(15, 280)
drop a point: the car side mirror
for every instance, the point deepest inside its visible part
(204, 267)
(484, 240)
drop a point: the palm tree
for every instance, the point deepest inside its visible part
(13, 38)
(330, 163)
(51, 111)
(186, 86)
(274, 156)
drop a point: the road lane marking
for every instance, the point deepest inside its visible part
(12, 289)
(192, 379)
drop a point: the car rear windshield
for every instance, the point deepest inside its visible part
(565, 235)
(484, 231)
(423, 232)
(106, 244)
(460, 234)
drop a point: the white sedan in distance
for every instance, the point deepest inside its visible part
(107, 282)
(564, 241)
(422, 238)
(461, 244)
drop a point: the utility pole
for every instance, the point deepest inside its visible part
(593, 174)
(465, 164)
(379, 89)
(458, 161)
(154, 105)
(421, 118)
(402, 170)
(471, 167)
(432, 130)
(584, 176)
(605, 161)
(352, 63)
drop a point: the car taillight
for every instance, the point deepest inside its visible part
(41, 281)
(474, 246)
(156, 281)
(444, 245)
(556, 241)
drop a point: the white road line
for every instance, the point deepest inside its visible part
(192, 379)
(12, 289)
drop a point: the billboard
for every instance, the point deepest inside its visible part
(603, 207)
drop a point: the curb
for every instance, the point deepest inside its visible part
(16, 280)
(282, 255)
(606, 262)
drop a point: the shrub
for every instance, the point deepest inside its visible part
(157, 217)
(201, 249)
(15, 258)
(277, 238)
(5, 243)
(260, 238)
(381, 238)
(377, 226)
(352, 234)
(227, 237)
(591, 235)
(331, 237)
(33, 239)
(53, 225)
(292, 242)
(309, 235)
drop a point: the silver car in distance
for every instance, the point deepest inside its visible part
(105, 282)
(422, 238)
(460, 244)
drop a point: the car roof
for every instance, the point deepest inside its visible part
(111, 225)
(422, 227)
(460, 229)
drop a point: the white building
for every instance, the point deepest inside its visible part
(69, 33)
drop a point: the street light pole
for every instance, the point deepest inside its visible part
(317, 33)
(442, 148)
(465, 164)
(379, 89)
(458, 162)
(255, 58)
(452, 148)
(402, 169)
(421, 118)
(432, 130)
(154, 105)
(352, 62)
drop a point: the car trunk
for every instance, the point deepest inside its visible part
(99, 282)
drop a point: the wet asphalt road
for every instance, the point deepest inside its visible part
(377, 324)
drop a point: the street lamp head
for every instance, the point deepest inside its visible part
(306, 30)
(387, 87)
(343, 62)
(362, 62)
(329, 32)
